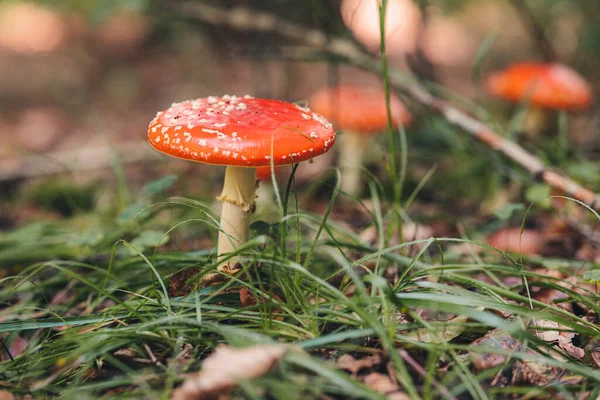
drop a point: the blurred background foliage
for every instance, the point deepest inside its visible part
(78, 76)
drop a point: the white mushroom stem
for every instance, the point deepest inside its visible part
(353, 146)
(238, 205)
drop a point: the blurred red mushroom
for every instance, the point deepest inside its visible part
(360, 112)
(28, 28)
(546, 86)
(241, 133)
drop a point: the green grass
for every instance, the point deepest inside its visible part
(115, 296)
(97, 295)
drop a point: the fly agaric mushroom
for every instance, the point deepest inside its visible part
(547, 87)
(241, 133)
(361, 113)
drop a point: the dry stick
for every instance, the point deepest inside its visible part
(244, 19)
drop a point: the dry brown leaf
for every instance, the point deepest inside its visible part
(535, 373)
(385, 385)
(6, 395)
(555, 333)
(178, 284)
(593, 347)
(454, 328)
(495, 339)
(565, 342)
(248, 298)
(226, 367)
(352, 365)
(549, 332)
(551, 296)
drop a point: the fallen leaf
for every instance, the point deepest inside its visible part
(352, 365)
(593, 347)
(6, 395)
(551, 296)
(178, 284)
(384, 385)
(535, 373)
(248, 298)
(556, 333)
(549, 333)
(449, 331)
(226, 367)
(495, 339)
(565, 342)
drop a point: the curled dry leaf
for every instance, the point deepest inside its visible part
(553, 332)
(226, 367)
(185, 354)
(565, 342)
(249, 298)
(385, 385)
(354, 366)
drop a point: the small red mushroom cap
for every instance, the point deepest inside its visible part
(512, 240)
(552, 86)
(357, 108)
(240, 131)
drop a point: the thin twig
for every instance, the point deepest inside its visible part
(245, 19)
(535, 29)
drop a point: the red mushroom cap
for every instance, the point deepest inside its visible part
(512, 240)
(240, 131)
(263, 173)
(358, 108)
(553, 86)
